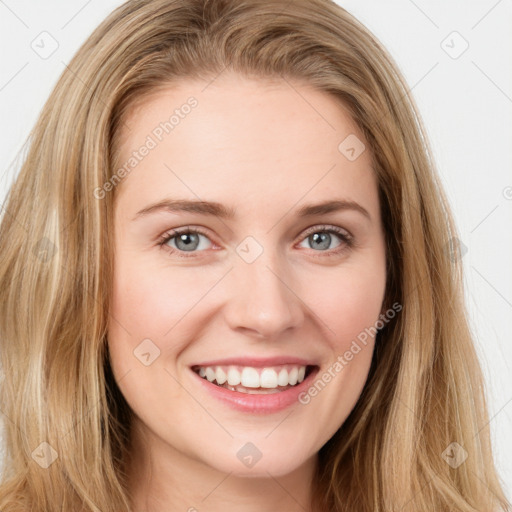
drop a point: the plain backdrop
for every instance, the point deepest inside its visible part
(456, 57)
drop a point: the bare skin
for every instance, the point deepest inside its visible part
(263, 150)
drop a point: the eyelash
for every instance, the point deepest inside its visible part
(346, 239)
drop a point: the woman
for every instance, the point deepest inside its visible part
(173, 339)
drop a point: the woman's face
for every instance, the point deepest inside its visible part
(275, 287)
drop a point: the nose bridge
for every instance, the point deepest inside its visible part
(262, 298)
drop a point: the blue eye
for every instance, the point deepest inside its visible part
(319, 238)
(184, 240)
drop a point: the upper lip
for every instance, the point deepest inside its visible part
(257, 362)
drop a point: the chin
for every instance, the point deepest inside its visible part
(249, 462)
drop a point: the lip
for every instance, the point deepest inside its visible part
(257, 362)
(254, 403)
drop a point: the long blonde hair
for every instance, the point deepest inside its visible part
(67, 424)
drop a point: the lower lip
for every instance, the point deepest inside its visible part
(255, 403)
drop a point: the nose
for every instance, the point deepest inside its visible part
(262, 301)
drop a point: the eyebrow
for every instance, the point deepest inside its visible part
(219, 210)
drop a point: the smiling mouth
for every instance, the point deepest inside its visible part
(255, 380)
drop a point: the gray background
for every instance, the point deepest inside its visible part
(456, 57)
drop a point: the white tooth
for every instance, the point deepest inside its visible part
(268, 378)
(250, 378)
(292, 376)
(210, 374)
(282, 378)
(220, 375)
(233, 377)
(202, 372)
(302, 374)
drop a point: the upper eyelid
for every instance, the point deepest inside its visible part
(325, 227)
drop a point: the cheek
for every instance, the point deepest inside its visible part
(149, 299)
(348, 300)
(348, 303)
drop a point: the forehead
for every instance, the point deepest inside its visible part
(243, 142)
